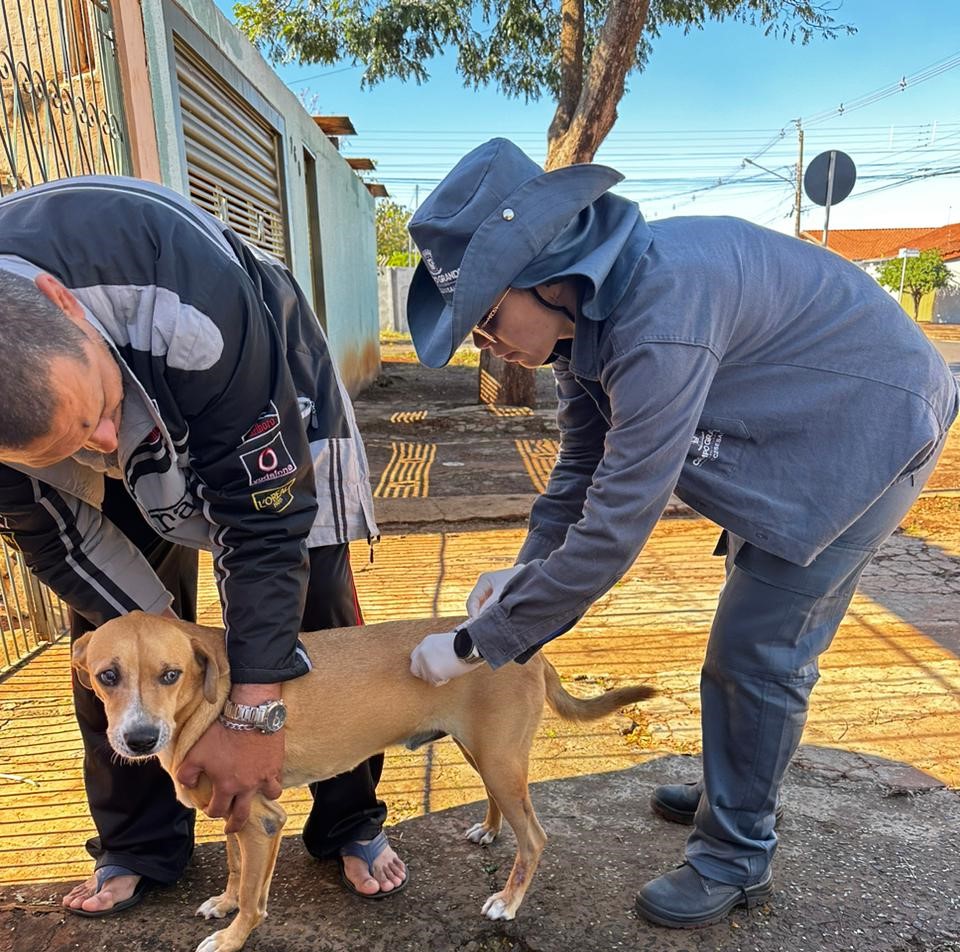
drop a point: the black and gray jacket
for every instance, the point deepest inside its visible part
(236, 433)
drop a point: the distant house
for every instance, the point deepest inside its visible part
(870, 247)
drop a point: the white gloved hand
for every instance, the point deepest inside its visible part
(489, 587)
(435, 661)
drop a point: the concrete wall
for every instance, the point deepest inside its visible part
(347, 236)
(946, 307)
(393, 285)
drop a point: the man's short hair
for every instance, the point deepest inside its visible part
(33, 330)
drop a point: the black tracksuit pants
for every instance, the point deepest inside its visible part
(140, 824)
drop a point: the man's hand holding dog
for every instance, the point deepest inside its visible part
(239, 764)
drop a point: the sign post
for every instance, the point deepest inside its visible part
(829, 179)
(905, 253)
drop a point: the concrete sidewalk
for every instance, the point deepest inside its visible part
(869, 857)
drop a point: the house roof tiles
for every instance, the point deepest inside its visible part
(878, 244)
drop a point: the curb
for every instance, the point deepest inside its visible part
(479, 508)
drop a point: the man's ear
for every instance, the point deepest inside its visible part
(209, 666)
(55, 292)
(78, 660)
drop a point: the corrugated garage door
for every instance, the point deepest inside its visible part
(232, 155)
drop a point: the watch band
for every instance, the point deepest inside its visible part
(465, 647)
(236, 725)
(267, 717)
(245, 713)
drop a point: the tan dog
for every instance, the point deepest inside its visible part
(164, 682)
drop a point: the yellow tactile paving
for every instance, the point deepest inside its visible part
(499, 411)
(489, 388)
(408, 416)
(538, 458)
(887, 689)
(408, 472)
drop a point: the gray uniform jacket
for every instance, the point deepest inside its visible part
(236, 434)
(775, 386)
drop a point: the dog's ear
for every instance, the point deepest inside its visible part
(209, 666)
(78, 659)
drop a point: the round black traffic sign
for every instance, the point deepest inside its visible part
(816, 179)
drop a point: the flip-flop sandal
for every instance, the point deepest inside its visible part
(368, 852)
(108, 872)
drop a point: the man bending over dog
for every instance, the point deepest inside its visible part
(164, 388)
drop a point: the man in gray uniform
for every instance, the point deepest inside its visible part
(769, 383)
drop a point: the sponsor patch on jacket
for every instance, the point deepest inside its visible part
(276, 499)
(270, 462)
(267, 422)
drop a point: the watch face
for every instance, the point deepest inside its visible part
(275, 718)
(462, 643)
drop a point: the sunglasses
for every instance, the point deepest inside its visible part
(482, 329)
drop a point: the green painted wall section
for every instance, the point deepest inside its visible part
(347, 236)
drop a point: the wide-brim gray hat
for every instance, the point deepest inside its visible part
(477, 232)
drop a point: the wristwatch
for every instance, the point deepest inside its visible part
(267, 718)
(464, 648)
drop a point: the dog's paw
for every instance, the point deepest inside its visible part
(211, 943)
(481, 834)
(222, 941)
(216, 907)
(496, 907)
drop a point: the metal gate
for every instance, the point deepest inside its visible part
(30, 615)
(62, 105)
(62, 115)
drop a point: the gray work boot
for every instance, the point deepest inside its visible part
(683, 899)
(677, 802)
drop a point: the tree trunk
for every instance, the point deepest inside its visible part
(575, 136)
(571, 66)
(505, 384)
(586, 111)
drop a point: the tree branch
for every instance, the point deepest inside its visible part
(571, 66)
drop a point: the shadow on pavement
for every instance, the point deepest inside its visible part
(867, 861)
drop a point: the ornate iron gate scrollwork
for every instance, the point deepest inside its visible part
(63, 112)
(62, 115)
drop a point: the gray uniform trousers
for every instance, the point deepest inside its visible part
(773, 621)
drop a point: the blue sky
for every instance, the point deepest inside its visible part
(707, 101)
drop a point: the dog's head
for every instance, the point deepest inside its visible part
(151, 673)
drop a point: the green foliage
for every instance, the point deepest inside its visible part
(922, 275)
(512, 44)
(393, 243)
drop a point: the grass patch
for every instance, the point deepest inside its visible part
(464, 357)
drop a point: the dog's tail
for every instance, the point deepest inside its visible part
(572, 708)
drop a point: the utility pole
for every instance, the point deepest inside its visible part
(799, 195)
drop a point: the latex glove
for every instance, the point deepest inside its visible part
(488, 589)
(435, 661)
